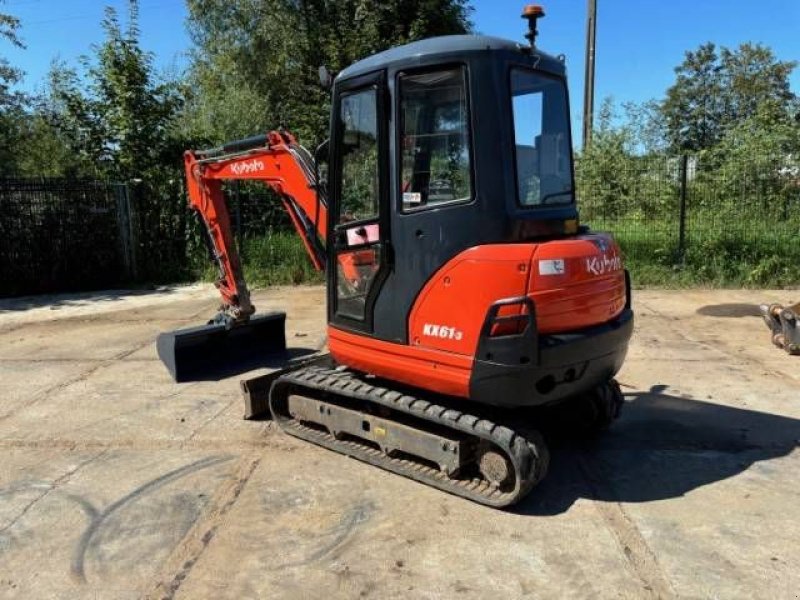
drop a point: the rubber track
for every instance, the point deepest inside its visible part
(525, 451)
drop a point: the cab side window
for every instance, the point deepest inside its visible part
(434, 138)
(359, 151)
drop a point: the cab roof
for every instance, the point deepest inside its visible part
(446, 44)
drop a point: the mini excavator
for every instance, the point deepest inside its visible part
(463, 294)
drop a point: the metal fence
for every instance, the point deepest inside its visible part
(67, 235)
(677, 212)
(57, 234)
(680, 211)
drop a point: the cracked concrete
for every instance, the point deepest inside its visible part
(117, 483)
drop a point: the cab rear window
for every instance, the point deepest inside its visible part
(541, 139)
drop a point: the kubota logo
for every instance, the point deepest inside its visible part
(599, 265)
(442, 332)
(247, 167)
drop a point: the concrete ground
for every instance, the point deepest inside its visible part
(117, 483)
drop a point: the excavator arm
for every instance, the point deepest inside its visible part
(235, 335)
(280, 162)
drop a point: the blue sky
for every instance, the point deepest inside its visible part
(638, 41)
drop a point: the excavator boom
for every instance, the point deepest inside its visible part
(235, 335)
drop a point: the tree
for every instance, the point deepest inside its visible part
(251, 74)
(603, 169)
(10, 103)
(714, 90)
(9, 75)
(117, 116)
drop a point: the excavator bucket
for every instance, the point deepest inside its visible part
(214, 351)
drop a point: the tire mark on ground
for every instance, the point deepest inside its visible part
(634, 547)
(180, 564)
(47, 488)
(341, 533)
(77, 566)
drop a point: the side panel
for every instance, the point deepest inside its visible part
(424, 368)
(449, 312)
(577, 283)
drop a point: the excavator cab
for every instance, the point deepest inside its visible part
(452, 205)
(461, 286)
(439, 146)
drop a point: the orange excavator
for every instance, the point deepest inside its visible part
(464, 297)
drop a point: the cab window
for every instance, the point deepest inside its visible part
(358, 122)
(541, 139)
(434, 138)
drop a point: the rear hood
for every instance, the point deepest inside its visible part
(577, 282)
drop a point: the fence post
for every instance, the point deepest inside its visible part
(682, 217)
(126, 228)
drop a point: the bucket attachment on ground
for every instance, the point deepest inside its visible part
(784, 323)
(215, 350)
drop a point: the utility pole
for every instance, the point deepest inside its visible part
(588, 80)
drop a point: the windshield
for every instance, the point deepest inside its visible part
(541, 139)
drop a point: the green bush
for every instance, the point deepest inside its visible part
(278, 258)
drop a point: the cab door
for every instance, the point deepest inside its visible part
(359, 261)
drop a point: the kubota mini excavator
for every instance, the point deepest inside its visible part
(461, 287)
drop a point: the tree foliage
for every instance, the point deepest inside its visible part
(9, 31)
(716, 89)
(116, 115)
(255, 62)
(11, 103)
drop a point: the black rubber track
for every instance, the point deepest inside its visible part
(525, 450)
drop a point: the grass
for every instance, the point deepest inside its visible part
(717, 252)
(278, 258)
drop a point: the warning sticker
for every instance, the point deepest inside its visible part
(551, 267)
(412, 198)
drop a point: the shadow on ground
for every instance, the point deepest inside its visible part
(662, 447)
(57, 301)
(735, 310)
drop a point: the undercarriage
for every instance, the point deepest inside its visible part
(466, 449)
